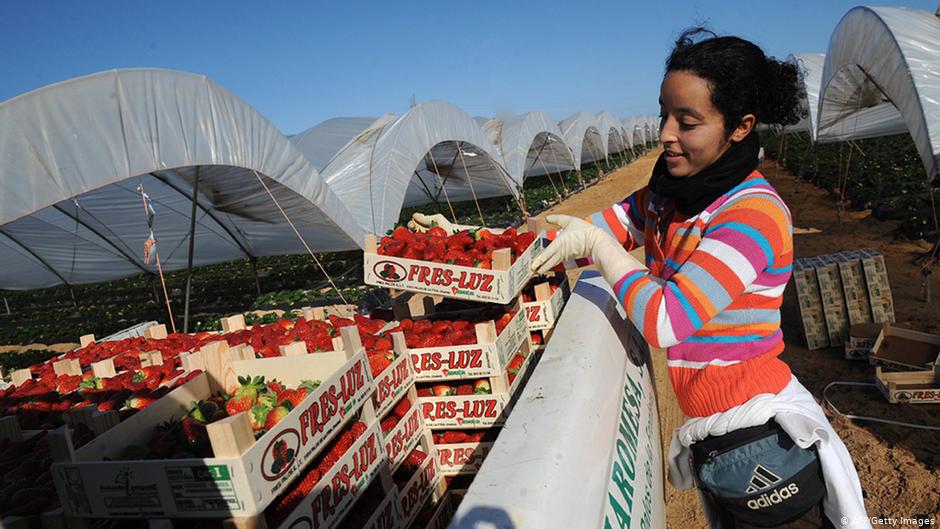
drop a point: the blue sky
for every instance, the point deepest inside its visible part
(299, 63)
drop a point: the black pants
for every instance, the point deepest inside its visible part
(814, 518)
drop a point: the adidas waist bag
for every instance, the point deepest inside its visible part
(759, 475)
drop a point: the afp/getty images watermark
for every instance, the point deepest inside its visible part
(902, 521)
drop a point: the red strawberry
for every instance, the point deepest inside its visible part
(275, 386)
(378, 363)
(358, 429)
(275, 416)
(293, 396)
(465, 389)
(482, 387)
(329, 459)
(425, 392)
(442, 390)
(194, 434)
(415, 459)
(236, 405)
(401, 409)
(437, 231)
(389, 424)
(141, 401)
(402, 234)
(454, 436)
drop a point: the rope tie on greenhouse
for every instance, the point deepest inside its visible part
(564, 184)
(544, 168)
(151, 245)
(299, 236)
(453, 216)
(844, 178)
(466, 173)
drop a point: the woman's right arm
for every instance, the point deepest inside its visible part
(624, 221)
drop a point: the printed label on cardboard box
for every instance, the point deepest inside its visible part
(471, 411)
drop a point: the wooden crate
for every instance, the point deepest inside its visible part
(396, 380)
(407, 434)
(488, 357)
(426, 483)
(445, 510)
(542, 313)
(905, 350)
(912, 387)
(476, 411)
(245, 474)
(862, 338)
(499, 285)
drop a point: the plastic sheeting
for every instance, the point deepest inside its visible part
(583, 138)
(634, 135)
(880, 120)
(879, 53)
(72, 155)
(533, 145)
(609, 127)
(388, 166)
(321, 142)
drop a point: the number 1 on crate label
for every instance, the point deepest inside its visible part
(202, 488)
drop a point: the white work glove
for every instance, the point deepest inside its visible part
(580, 238)
(422, 223)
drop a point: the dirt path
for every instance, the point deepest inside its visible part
(899, 467)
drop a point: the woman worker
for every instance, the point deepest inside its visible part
(719, 247)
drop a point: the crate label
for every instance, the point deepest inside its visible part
(917, 396)
(391, 384)
(463, 411)
(419, 488)
(402, 439)
(281, 454)
(336, 492)
(461, 458)
(434, 363)
(202, 488)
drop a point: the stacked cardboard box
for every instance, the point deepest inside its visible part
(838, 291)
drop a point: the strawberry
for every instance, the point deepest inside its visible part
(437, 231)
(482, 387)
(329, 459)
(442, 390)
(293, 397)
(276, 415)
(194, 435)
(204, 411)
(309, 385)
(140, 401)
(414, 459)
(257, 415)
(515, 365)
(454, 436)
(389, 424)
(249, 387)
(425, 392)
(236, 405)
(378, 363)
(402, 234)
(465, 389)
(358, 429)
(401, 409)
(275, 386)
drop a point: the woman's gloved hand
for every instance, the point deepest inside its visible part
(422, 223)
(580, 238)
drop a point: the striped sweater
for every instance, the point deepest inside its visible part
(713, 292)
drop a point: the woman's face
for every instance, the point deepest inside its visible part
(691, 129)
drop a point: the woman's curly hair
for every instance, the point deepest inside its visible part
(743, 79)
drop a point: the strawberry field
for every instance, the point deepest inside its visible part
(52, 315)
(883, 174)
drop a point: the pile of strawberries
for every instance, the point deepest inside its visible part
(303, 485)
(458, 387)
(408, 467)
(441, 333)
(398, 413)
(464, 248)
(26, 486)
(447, 437)
(266, 403)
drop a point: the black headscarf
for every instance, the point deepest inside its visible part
(693, 194)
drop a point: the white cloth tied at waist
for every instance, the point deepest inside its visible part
(797, 412)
